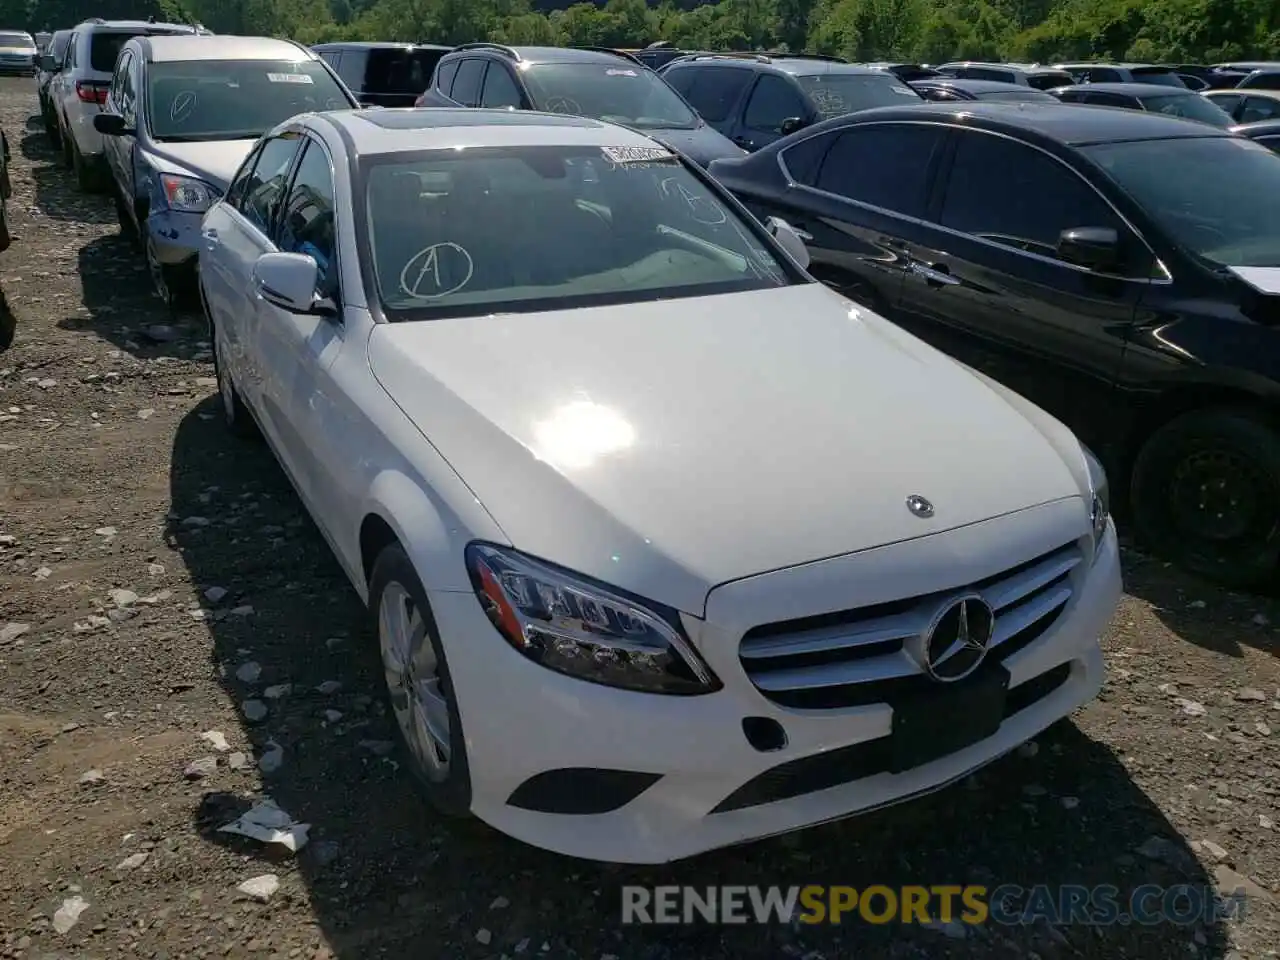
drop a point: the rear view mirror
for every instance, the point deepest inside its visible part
(1094, 248)
(791, 125)
(289, 280)
(789, 240)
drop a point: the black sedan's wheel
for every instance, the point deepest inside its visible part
(419, 687)
(1206, 494)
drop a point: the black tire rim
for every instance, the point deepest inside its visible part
(1222, 497)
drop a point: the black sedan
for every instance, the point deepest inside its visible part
(1152, 97)
(949, 90)
(1032, 242)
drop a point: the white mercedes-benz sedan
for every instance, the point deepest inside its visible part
(668, 546)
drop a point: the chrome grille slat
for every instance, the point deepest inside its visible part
(835, 663)
(889, 667)
(1013, 621)
(825, 639)
(1023, 584)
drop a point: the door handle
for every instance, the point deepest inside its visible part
(210, 236)
(934, 274)
(742, 142)
(802, 233)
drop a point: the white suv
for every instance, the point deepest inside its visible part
(79, 89)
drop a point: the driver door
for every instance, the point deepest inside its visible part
(297, 350)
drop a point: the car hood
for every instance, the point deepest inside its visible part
(701, 145)
(672, 446)
(214, 161)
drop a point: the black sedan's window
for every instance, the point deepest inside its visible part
(1009, 193)
(884, 164)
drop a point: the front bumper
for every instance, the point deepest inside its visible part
(528, 729)
(175, 238)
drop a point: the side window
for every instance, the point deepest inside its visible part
(1112, 100)
(772, 101)
(499, 89)
(985, 73)
(1013, 194)
(1229, 103)
(307, 224)
(1259, 108)
(805, 158)
(235, 192)
(1104, 75)
(334, 59)
(265, 189)
(717, 90)
(444, 76)
(115, 95)
(937, 94)
(885, 165)
(466, 85)
(1271, 143)
(351, 70)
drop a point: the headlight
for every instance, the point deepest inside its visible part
(1099, 496)
(187, 195)
(583, 629)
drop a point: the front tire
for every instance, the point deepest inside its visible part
(1206, 494)
(419, 687)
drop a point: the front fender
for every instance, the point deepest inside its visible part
(431, 534)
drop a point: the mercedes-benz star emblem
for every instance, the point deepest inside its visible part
(958, 638)
(919, 505)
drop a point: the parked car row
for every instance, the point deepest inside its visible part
(994, 276)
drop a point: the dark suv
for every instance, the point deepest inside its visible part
(589, 82)
(754, 99)
(1032, 242)
(383, 74)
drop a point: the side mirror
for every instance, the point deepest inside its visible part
(47, 63)
(110, 125)
(792, 124)
(289, 280)
(1094, 248)
(789, 240)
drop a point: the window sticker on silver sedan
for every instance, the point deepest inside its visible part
(289, 78)
(620, 156)
(905, 91)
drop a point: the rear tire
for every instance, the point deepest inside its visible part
(1206, 495)
(86, 176)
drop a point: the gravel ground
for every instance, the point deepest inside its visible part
(146, 558)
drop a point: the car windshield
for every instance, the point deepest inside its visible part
(621, 92)
(1016, 93)
(235, 99)
(835, 94)
(1189, 105)
(1216, 197)
(16, 40)
(477, 231)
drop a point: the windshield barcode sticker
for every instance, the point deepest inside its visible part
(619, 155)
(905, 91)
(289, 78)
(620, 73)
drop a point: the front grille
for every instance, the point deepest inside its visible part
(858, 657)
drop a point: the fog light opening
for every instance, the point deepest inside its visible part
(764, 733)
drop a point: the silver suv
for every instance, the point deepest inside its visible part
(79, 87)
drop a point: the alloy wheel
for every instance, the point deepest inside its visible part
(418, 695)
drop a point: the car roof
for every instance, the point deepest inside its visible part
(1243, 92)
(1133, 89)
(168, 49)
(377, 45)
(407, 129)
(553, 54)
(109, 26)
(972, 86)
(793, 66)
(1114, 63)
(1065, 123)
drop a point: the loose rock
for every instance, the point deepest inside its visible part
(248, 672)
(254, 711)
(260, 888)
(199, 769)
(66, 916)
(216, 739)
